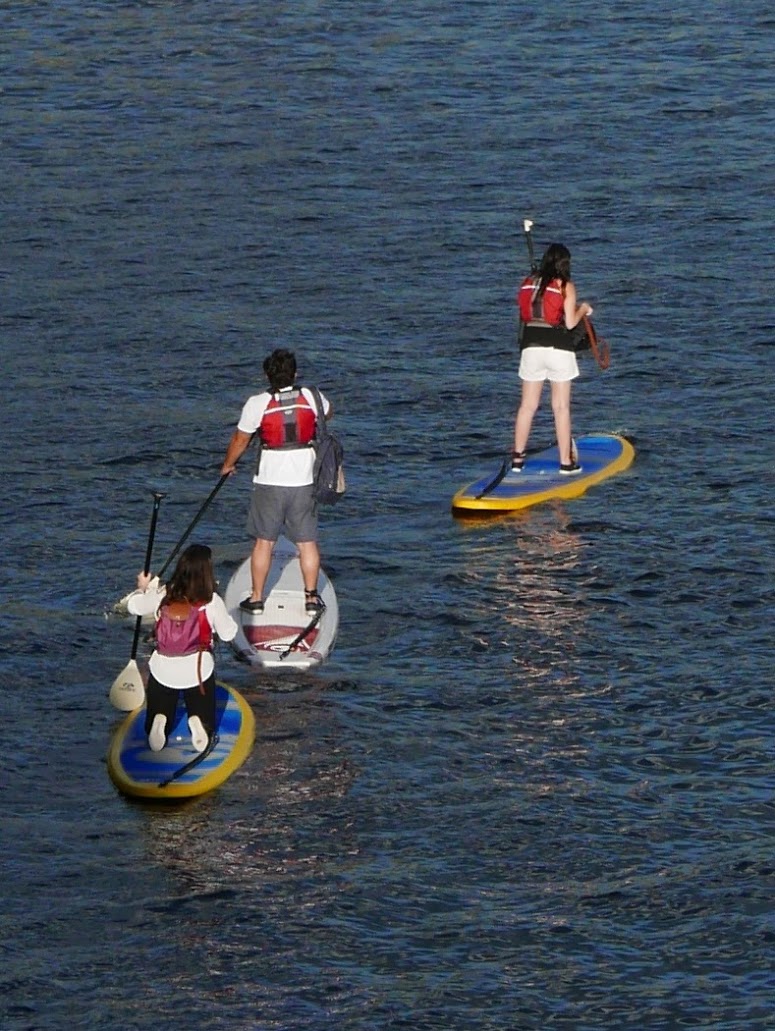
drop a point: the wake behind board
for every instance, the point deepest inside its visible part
(284, 635)
(600, 456)
(140, 773)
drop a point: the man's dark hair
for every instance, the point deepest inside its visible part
(280, 368)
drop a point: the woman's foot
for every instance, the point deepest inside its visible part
(199, 737)
(569, 468)
(252, 606)
(517, 461)
(157, 738)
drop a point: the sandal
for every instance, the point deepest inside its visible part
(313, 602)
(251, 606)
(517, 461)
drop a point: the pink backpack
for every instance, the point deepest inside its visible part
(187, 636)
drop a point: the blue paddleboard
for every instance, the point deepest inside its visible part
(176, 771)
(600, 456)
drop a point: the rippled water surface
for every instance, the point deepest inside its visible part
(533, 786)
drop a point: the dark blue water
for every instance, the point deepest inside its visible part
(533, 786)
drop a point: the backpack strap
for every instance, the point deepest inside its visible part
(205, 631)
(321, 428)
(205, 643)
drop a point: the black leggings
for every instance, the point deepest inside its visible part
(161, 699)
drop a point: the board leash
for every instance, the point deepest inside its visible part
(495, 480)
(190, 765)
(304, 633)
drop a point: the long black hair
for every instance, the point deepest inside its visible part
(193, 579)
(555, 264)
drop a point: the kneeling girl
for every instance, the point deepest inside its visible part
(188, 611)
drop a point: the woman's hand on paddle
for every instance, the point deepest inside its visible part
(143, 580)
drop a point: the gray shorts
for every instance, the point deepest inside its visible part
(274, 510)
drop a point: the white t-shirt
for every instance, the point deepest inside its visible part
(292, 467)
(180, 671)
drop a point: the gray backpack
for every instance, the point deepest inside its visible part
(329, 457)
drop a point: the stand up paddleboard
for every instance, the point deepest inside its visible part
(599, 455)
(177, 771)
(284, 635)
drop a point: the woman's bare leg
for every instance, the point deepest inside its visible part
(531, 398)
(562, 426)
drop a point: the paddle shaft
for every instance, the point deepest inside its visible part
(601, 352)
(529, 240)
(147, 567)
(194, 521)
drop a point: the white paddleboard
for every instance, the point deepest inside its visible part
(284, 635)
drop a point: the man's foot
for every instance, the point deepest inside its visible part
(313, 602)
(157, 738)
(569, 468)
(251, 606)
(199, 738)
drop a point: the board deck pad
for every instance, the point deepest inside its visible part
(264, 638)
(600, 456)
(139, 772)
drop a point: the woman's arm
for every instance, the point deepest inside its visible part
(574, 312)
(222, 623)
(148, 596)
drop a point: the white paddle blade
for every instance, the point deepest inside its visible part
(128, 690)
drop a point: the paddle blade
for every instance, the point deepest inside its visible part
(128, 690)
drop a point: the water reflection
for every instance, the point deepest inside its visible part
(276, 816)
(530, 573)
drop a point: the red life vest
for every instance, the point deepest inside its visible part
(549, 309)
(288, 422)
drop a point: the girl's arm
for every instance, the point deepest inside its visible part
(574, 312)
(222, 623)
(148, 596)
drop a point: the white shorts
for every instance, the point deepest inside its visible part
(539, 363)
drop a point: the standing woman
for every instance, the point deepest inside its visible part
(548, 310)
(187, 611)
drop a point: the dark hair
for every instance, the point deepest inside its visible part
(280, 368)
(555, 264)
(193, 579)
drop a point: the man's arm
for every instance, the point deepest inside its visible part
(237, 447)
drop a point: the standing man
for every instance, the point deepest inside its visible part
(285, 417)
